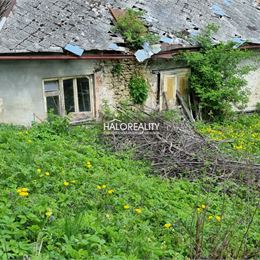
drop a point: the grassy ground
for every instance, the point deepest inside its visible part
(239, 136)
(64, 197)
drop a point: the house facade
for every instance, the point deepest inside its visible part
(62, 55)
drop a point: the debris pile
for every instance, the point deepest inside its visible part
(177, 150)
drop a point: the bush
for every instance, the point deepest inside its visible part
(216, 81)
(138, 89)
(134, 32)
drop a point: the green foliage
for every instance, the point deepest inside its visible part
(239, 136)
(217, 80)
(82, 202)
(138, 88)
(133, 30)
(117, 70)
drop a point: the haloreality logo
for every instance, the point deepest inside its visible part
(118, 127)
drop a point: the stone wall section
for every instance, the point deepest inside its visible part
(114, 88)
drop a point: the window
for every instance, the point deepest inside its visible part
(171, 82)
(69, 96)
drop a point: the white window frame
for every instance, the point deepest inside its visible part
(60, 94)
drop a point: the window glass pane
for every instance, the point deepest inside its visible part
(83, 94)
(51, 86)
(69, 95)
(53, 104)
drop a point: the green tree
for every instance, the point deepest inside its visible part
(217, 76)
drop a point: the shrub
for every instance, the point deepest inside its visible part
(138, 89)
(134, 32)
(216, 79)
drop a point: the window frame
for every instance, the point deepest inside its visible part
(60, 94)
(176, 73)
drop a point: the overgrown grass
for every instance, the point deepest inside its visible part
(239, 136)
(85, 203)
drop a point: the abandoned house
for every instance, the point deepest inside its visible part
(61, 54)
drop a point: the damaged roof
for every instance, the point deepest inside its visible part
(50, 25)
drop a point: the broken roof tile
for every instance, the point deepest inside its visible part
(115, 47)
(142, 55)
(238, 41)
(217, 10)
(77, 50)
(166, 39)
(117, 12)
(228, 2)
(147, 51)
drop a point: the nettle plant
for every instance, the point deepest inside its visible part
(138, 88)
(217, 76)
(133, 30)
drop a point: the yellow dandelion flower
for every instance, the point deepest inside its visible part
(138, 211)
(218, 218)
(39, 170)
(99, 187)
(47, 173)
(203, 206)
(110, 191)
(66, 183)
(22, 190)
(104, 186)
(24, 194)
(238, 147)
(210, 217)
(88, 165)
(199, 210)
(126, 206)
(167, 225)
(48, 213)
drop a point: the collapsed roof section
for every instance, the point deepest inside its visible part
(36, 26)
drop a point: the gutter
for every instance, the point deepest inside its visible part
(117, 56)
(66, 57)
(162, 55)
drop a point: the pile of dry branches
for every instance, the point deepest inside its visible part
(178, 150)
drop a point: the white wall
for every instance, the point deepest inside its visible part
(21, 90)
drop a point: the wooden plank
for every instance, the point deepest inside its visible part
(185, 107)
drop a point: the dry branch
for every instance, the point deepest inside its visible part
(179, 150)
